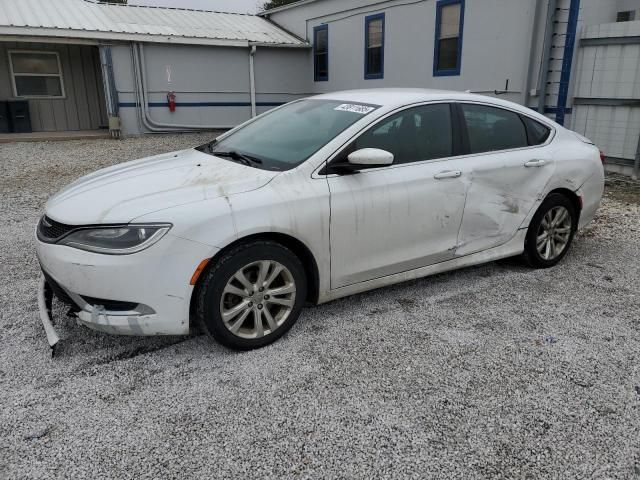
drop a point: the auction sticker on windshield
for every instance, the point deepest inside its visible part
(351, 107)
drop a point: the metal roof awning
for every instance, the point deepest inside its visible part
(87, 19)
(299, 3)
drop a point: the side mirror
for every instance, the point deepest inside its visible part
(370, 157)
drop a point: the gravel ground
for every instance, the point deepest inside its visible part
(496, 371)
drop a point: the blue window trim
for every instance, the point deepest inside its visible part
(567, 60)
(367, 21)
(436, 42)
(316, 77)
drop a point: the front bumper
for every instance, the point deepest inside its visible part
(152, 284)
(45, 296)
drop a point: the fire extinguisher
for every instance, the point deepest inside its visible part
(171, 101)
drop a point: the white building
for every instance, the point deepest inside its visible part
(576, 60)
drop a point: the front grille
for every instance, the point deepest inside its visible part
(58, 291)
(50, 231)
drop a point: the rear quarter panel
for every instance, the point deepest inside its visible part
(578, 169)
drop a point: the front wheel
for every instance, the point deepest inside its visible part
(551, 232)
(252, 295)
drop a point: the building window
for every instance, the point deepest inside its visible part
(374, 46)
(628, 16)
(321, 53)
(36, 74)
(448, 42)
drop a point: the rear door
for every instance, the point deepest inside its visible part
(509, 167)
(396, 218)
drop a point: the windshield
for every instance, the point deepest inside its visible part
(286, 137)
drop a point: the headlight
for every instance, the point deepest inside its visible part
(116, 240)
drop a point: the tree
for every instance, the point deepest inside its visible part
(276, 3)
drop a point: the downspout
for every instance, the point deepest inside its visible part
(140, 96)
(110, 91)
(252, 80)
(148, 121)
(527, 69)
(546, 56)
(636, 163)
(147, 114)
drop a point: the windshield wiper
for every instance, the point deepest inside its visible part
(207, 146)
(242, 157)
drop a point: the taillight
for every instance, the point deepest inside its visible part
(603, 157)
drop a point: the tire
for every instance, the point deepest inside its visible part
(543, 223)
(234, 311)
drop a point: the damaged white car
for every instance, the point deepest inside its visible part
(318, 199)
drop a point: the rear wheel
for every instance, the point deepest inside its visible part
(551, 232)
(252, 295)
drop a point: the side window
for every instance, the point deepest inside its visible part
(413, 135)
(36, 74)
(374, 47)
(321, 53)
(536, 131)
(447, 56)
(492, 128)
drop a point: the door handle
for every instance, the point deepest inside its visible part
(535, 163)
(448, 174)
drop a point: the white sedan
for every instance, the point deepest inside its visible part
(318, 199)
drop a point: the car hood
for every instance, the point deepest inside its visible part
(124, 192)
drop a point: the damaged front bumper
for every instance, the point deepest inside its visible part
(143, 294)
(45, 300)
(118, 318)
(95, 317)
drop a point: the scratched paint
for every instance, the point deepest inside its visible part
(160, 182)
(501, 195)
(383, 222)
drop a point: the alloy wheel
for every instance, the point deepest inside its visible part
(258, 299)
(554, 233)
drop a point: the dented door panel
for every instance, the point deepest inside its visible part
(505, 186)
(390, 220)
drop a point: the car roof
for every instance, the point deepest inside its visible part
(398, 97)
(390, 97)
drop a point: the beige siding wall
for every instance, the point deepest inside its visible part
(84, 105)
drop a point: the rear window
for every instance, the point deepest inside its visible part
(491, 128)
(536, 132)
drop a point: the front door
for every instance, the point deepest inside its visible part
(397, 218)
